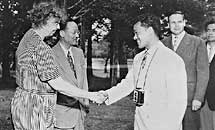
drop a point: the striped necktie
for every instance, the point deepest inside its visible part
(144, 59)
(71, 63)
(175, 43)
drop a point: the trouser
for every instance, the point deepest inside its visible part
(191, 119)
(207, 118)
(78, 126)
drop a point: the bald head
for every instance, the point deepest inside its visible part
(71, 25)
(63, 26)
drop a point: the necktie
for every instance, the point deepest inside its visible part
(175, 43)
(140, 83)
(144, 60)
(70, 60)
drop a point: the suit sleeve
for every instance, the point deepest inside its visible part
(176, 84)
(122, 89)
(84, 66)
(202, 67)
(85, 84)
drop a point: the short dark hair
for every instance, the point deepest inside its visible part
(209, 21)
(63, 24)
(44, 10)
(176, 12)
(149, 20)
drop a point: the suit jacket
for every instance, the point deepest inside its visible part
(210, 92)
(165, 97)
(193, 51)
(67, 117)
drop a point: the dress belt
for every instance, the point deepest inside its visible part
(36, 91)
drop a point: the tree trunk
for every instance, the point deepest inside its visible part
(5, 57)
(7, 32)
(113, 64)
(83, 31)
(114, 56)
(89, 58)
(5, 65)
(122, 60)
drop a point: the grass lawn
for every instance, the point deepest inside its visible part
(118, 116)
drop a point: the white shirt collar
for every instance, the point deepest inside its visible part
(179, 38)
(66, 50)
(211, 45)
(211, 51)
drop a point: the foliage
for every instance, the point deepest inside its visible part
(124, 12)
(13, 17)
(13, 23)
(101, 49)
(121, 13)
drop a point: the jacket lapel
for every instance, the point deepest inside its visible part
(183, 45)
(64, 65)
(78, 66)
(168, 42)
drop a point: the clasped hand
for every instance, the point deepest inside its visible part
(196, 105)
(99, 97)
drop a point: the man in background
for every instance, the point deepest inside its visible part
(208, 110)
(70, 112)
(193, 51)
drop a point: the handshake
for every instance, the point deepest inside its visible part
(99, 97)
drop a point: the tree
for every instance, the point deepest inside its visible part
(13, 22)
(119, 12)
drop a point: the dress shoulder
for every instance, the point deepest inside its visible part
(29, 42)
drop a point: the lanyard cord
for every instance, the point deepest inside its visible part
(141, 67)
(144, 58)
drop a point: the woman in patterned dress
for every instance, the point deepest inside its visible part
(33, 104)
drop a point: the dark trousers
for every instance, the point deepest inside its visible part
(191, 119)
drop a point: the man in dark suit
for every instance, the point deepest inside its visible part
(193, 51)
(70, 112)
(207, 112)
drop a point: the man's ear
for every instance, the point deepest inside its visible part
(62, 33)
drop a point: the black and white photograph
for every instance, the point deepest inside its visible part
(107, 65)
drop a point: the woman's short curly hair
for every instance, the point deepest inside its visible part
(42, 11)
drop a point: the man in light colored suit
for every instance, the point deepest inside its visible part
(207, 113)
(158, 79)
(193, 51)
(70, 112)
